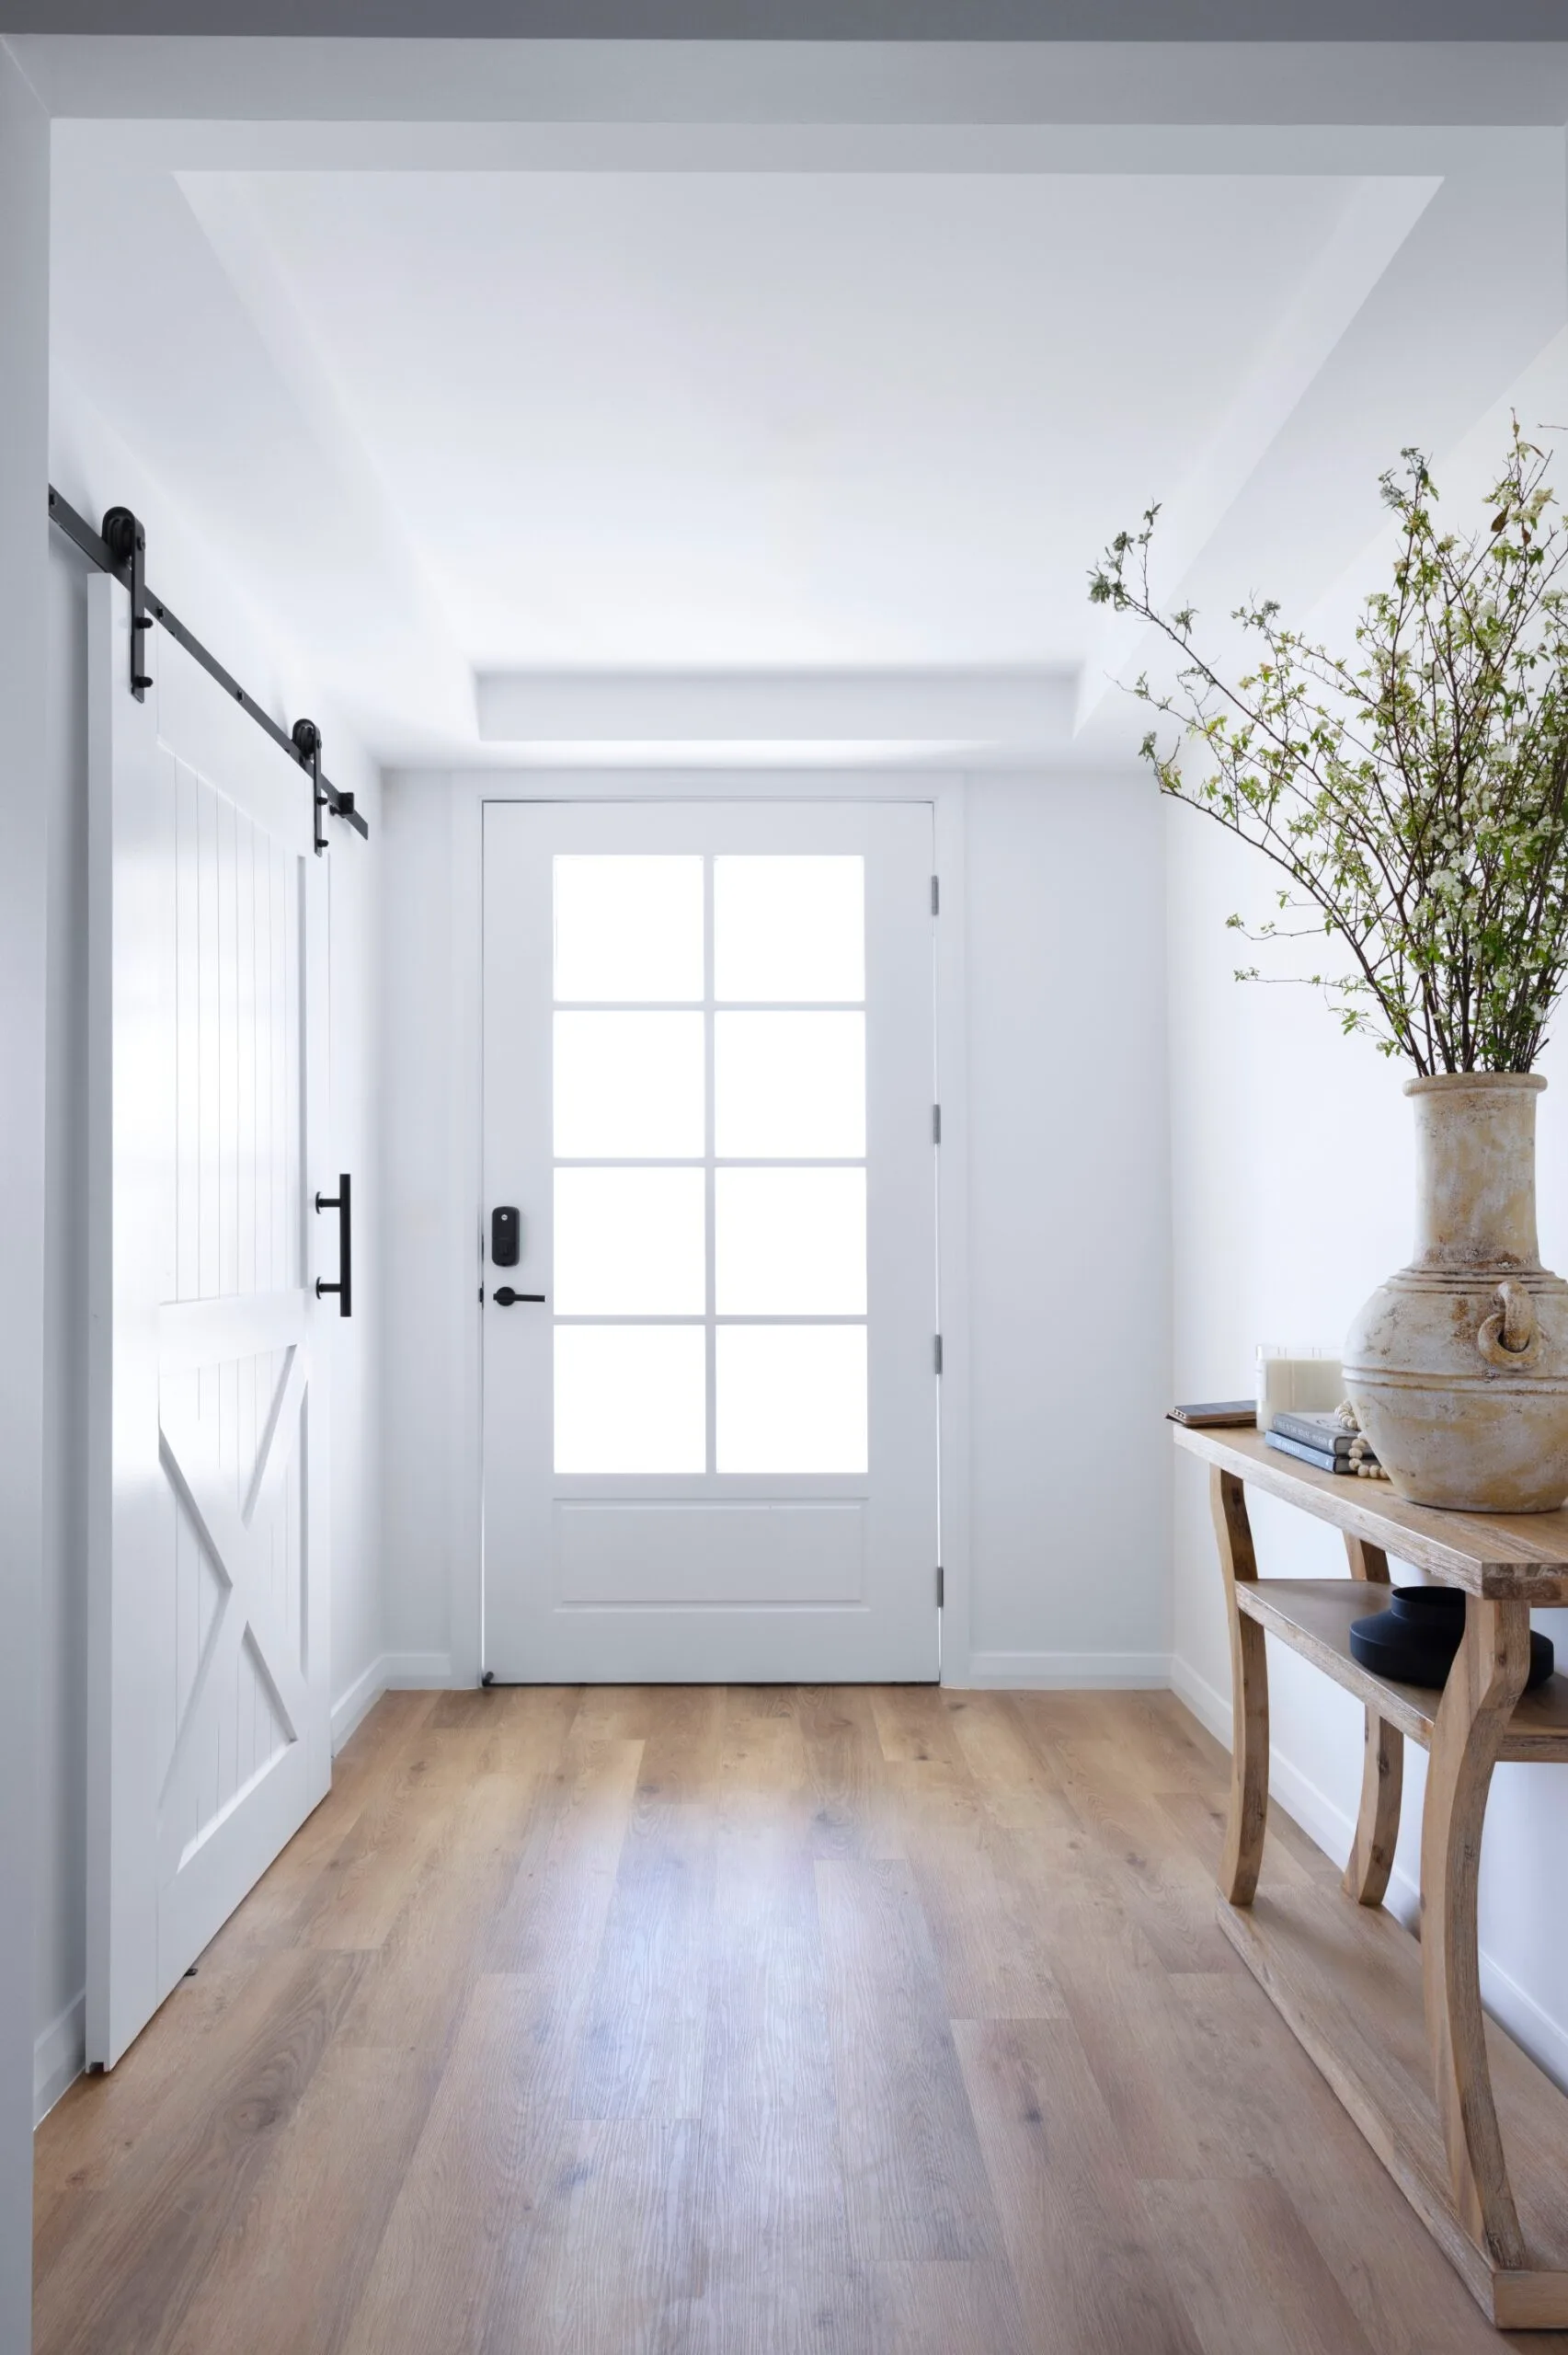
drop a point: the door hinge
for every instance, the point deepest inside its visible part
(939, 1587)
(939, 1353)
(936, 1124)
(936, 895)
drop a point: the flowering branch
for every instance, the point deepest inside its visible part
(1415, 796)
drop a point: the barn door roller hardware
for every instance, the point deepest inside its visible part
(121, 549)
(305, 737)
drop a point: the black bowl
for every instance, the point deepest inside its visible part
(1415, 1641)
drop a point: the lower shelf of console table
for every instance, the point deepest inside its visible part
(1347, 1978)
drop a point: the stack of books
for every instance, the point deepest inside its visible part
(1319, 1438)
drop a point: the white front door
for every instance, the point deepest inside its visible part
(710, 1448)
(209, 1734)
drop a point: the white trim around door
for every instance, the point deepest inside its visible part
(465, 794)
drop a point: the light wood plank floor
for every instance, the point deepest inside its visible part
(720, 2022)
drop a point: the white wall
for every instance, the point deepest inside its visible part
(94, 469)
(1292, 1198)
(1068, 1244)
(23, 852)
(1068, 1231)
(428, 1270)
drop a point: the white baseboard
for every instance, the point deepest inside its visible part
(417, 1671)
(353, 1707)
(1211, 1708)
(1064, 1671)
(1330, 1829)
(60, 2054)
(388, 1672)
(1544, 2038)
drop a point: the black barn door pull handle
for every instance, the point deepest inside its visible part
(344, 1287)
(506, 1298)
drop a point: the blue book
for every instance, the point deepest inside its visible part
(1312, 1428)
(1324, 1458)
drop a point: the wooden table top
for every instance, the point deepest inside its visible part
(1520, 1558)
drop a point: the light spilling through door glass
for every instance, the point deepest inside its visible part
(709, 1113)
(629, 1086)
(792, 1399)
(630, 1398)
(789, 1242)
(628, 931)
(789, 1086)
(630, 1243)
(789, 929)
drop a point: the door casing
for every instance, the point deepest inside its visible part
(465, 793)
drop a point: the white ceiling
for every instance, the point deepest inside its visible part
(787, 427)
(637, 421)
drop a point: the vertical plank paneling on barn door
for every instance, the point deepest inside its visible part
(208, 1440)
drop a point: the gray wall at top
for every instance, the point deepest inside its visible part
(966, 20)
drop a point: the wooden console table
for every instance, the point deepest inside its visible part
(1436, 2106)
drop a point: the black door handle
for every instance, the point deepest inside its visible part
(504, 1296)
(344, 1287)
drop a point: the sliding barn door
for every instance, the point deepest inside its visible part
(207, 1439)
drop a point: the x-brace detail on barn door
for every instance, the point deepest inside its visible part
(231, 1536)
(121, 550)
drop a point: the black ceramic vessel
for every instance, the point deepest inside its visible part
(1415, 1641)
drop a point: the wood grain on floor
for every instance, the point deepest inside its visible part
(764, 2021)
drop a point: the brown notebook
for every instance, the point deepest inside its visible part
(1218, 1412)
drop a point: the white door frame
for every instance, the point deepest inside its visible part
(468, 790)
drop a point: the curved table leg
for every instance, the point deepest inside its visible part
(1486, 1678)
(1372, 1858)
(1248, 1685)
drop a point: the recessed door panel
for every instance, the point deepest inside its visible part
(735, 1557)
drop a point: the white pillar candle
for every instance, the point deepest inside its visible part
(1295, 1381)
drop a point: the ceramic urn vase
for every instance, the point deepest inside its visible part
(1457, 1366)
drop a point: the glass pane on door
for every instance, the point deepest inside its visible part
(630, 1243)
(792, 1399)
(629, 1084)
(789, 929)
(630, 1398)
(790, 1242)
(628, 930)
(789, 1086)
